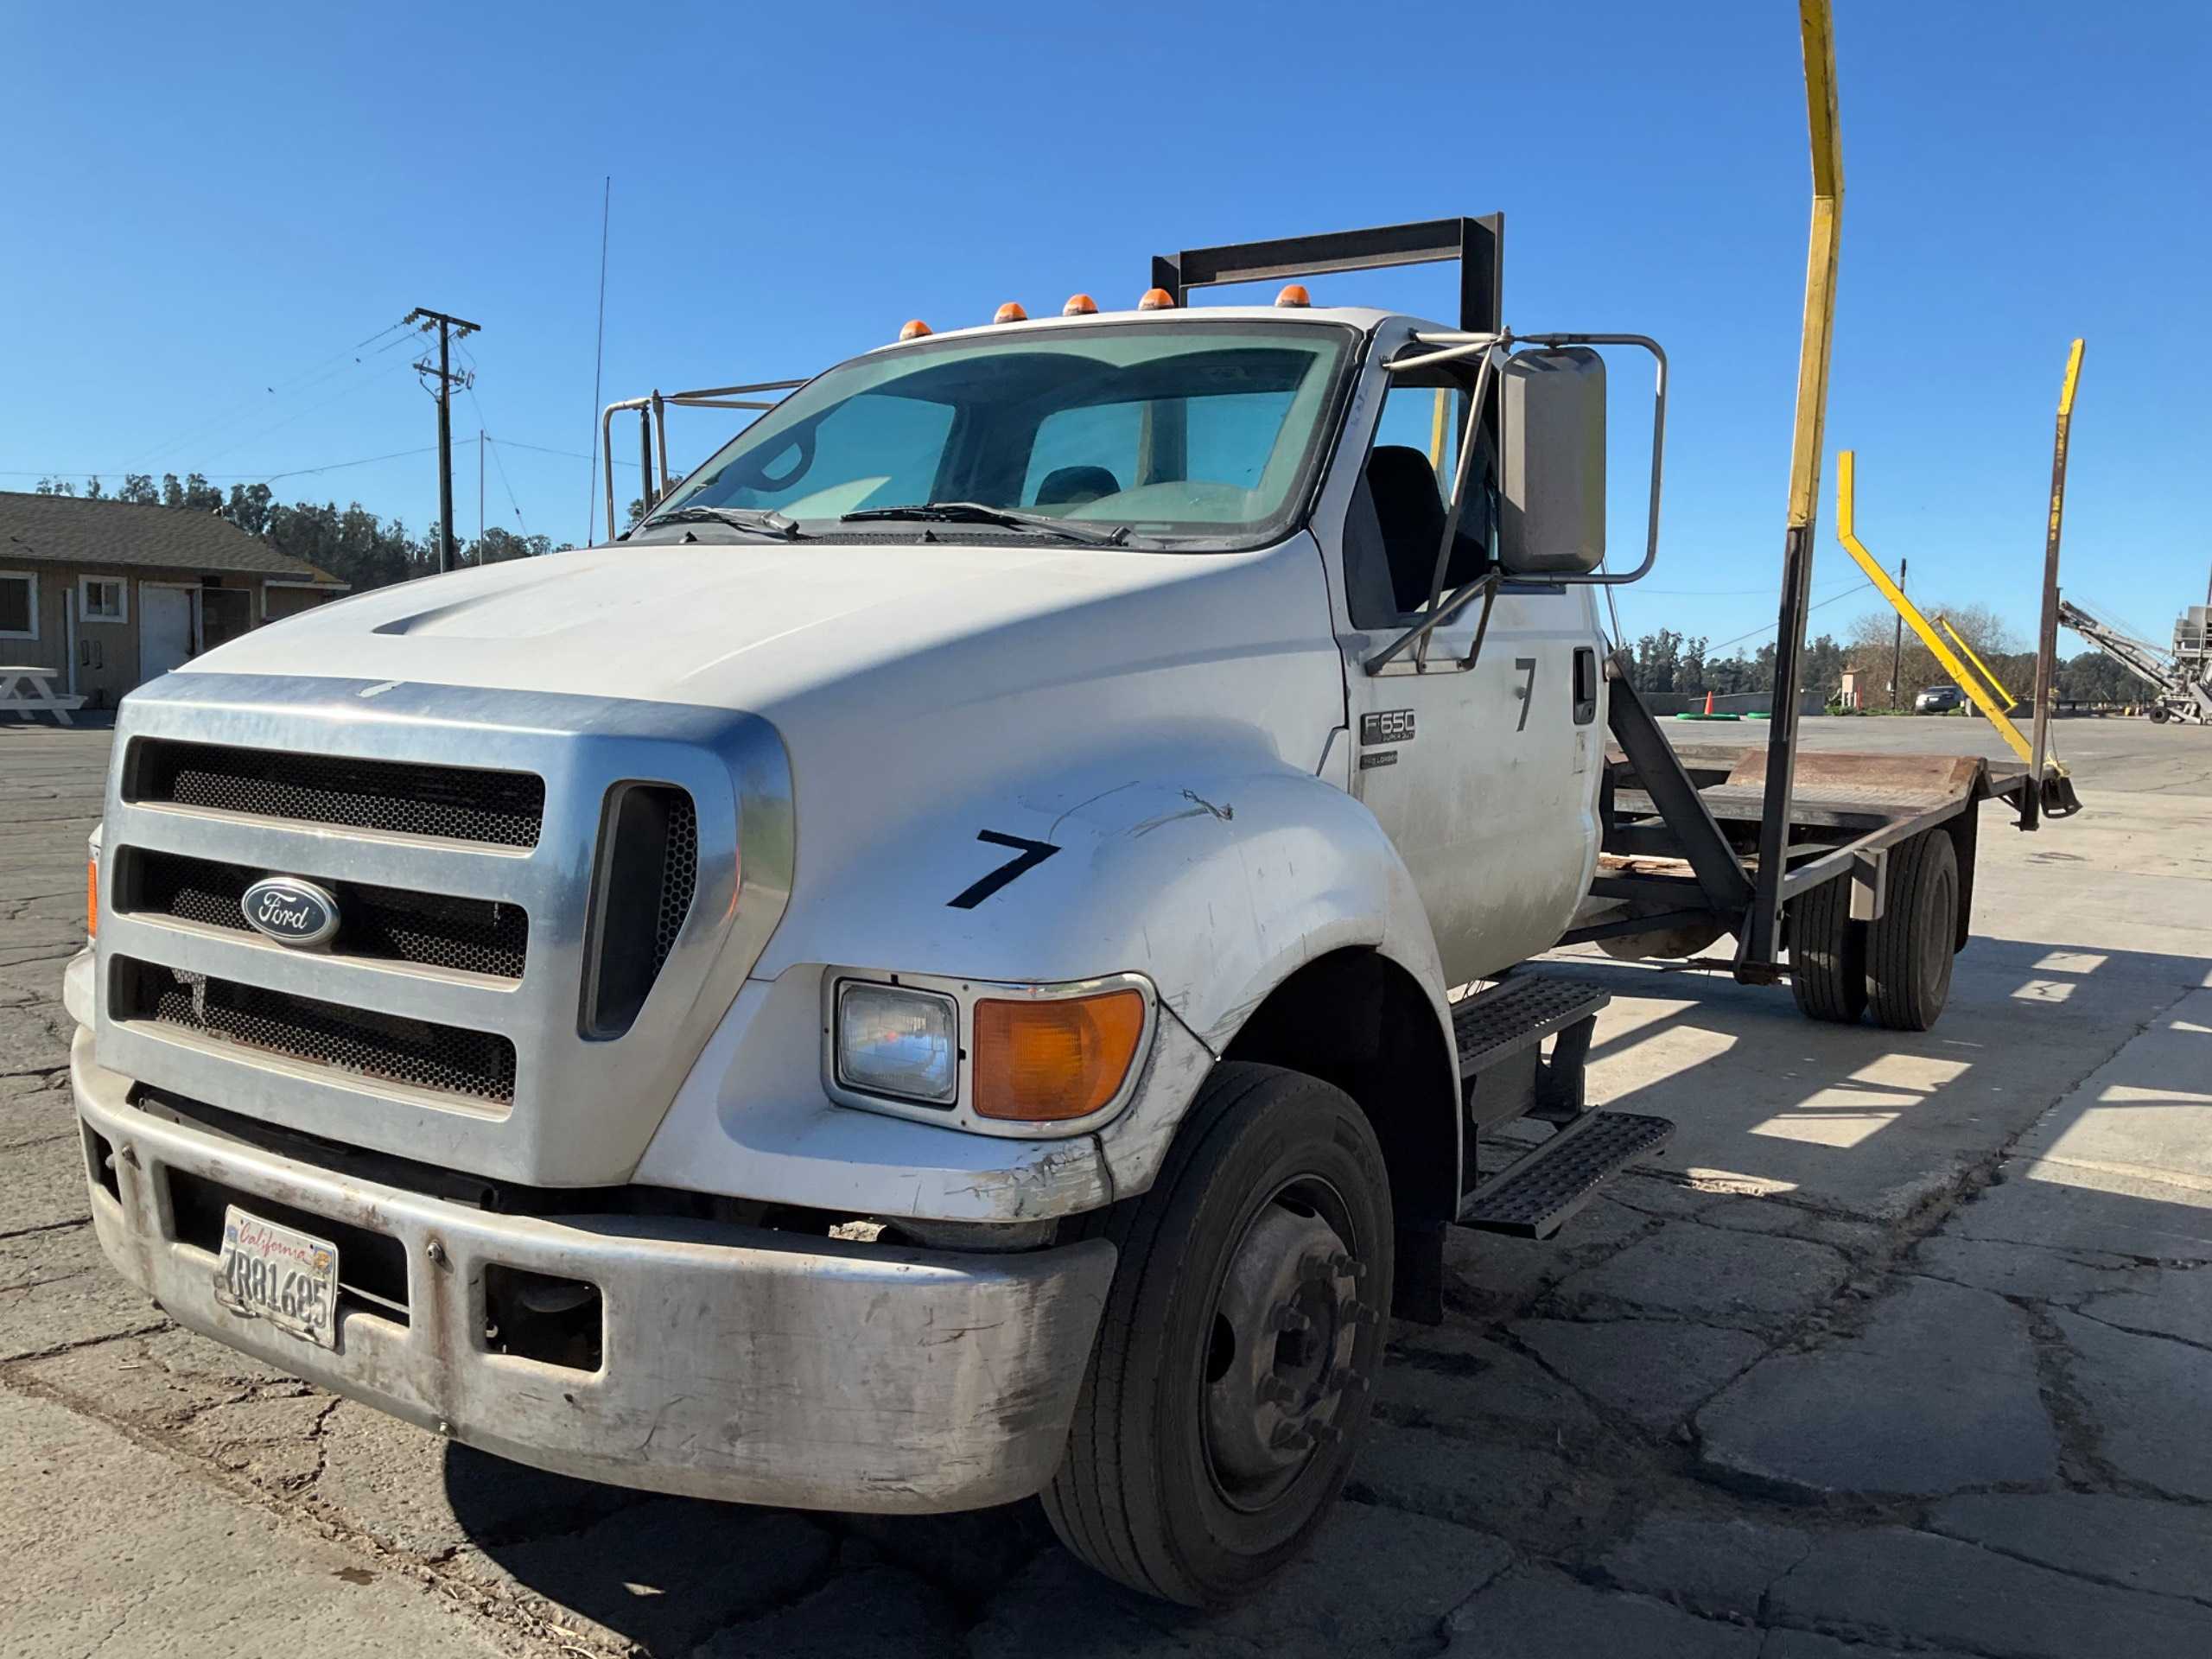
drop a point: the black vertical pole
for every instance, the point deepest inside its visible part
(1896, 646)
(2047, 633)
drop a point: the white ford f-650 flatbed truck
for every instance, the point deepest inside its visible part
(937, 967)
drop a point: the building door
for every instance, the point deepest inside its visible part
(168, 625)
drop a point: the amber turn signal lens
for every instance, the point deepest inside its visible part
(1156, 298)
(1011, 312)
(91, 898)
(914, 329)
(1045, 1062)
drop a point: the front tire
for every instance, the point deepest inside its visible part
(1228, 1391)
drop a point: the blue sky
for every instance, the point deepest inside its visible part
(209, 208)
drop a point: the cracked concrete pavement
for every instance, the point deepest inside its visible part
(1902, 1346)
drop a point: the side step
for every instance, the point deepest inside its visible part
(1512, 1017)
(1534, 1196)
(1493, 1024)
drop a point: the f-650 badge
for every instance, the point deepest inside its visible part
(1391, 726)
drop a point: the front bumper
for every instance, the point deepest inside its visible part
(736, 1362)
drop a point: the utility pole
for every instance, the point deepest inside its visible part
(1896, 648)
(450, 329)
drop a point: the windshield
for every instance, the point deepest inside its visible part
(1174, 430)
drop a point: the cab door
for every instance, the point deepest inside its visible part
(1484, 776)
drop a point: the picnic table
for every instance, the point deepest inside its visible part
(25, 690)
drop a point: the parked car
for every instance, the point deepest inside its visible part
(1939, 700)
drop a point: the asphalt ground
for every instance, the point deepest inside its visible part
(1903, 1344)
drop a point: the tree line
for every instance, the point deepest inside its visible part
(351, 542)
(1665, 660)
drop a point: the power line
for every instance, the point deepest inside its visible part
(1858, 587)
(259, 478)
(362, 384)
(270, 478)
(304, 381)
(573, 454)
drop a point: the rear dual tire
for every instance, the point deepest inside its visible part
(1910, 948)
(1228, 1388)
(1899, 965)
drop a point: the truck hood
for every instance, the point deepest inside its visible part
(744, 626)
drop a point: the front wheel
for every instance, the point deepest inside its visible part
(1229, 1389)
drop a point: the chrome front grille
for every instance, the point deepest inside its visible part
(453, 1017)
(500, 809)
(475, 935)
(389, 1048)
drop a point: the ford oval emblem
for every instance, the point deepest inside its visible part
(291, 911)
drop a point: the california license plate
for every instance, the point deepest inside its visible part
(276, 1274)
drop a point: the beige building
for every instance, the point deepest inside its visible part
(110, 594)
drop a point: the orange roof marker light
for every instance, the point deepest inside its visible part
(915, 330)
(1156, 298)
(1011, 312)
(1080, 305)
(1294, 294)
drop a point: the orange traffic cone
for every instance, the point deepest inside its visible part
(1709, 703)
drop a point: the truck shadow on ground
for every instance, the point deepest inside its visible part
(1511, 1430)
(674, 1575)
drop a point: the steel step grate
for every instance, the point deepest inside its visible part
(1505, 1019)
(1532, 1197)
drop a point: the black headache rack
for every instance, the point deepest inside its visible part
(1477, 245)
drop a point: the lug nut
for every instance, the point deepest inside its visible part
(1349, 1266)
(1363, 1313)
(1276, 1392)
(1290, 1319)
(1291, 1438)
(1345, 1380)
(1328, 1433)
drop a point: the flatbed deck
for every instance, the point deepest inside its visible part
(1835, 791)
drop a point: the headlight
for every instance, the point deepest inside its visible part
(894, 1041)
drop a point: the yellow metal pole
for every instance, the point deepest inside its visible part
(1846, 532)
(1438, 425)
(1820, 263)
(1761, 950)
(1958, 639)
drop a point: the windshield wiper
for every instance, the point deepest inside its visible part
(766, 520)
(975, 513)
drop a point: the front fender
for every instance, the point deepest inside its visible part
(1216, 876)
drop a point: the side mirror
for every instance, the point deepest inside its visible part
(1552, 517)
